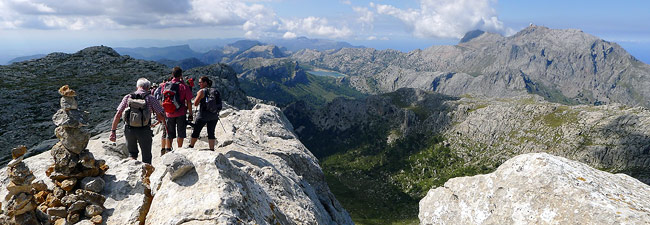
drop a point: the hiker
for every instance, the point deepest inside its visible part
(136, 109)
(157, 93)
(210, 101)
(177, 97)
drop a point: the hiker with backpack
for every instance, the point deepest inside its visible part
(209, 100)
(135, 109)
(177, 97)
(157, 93)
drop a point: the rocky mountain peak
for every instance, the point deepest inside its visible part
(479, 38)
(470, 35)
(263, 51)
(98, 50)
(539, 188)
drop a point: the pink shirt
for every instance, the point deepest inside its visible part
(153, 104)
(186, 94)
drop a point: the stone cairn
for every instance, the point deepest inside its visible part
(75, 172)
(21, 207)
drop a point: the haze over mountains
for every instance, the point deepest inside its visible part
(388, 126)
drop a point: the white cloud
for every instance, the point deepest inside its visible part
(447, 18)
(254, 19)
(346, 2)
(366, 17)
(314, 26)
(289, 35)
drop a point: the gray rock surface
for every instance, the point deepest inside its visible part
(539, 188)
(176, 165)
(560, 65)
(489, 131)
(74, 139)
(94, 184)
(68, 103)
(69, 118)
(265, 175)
(611, 137)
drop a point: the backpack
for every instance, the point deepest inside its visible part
(212, 100)
(171, 97)
(158, 93)
(137, 114)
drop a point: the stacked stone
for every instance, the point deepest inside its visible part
(75, 172)
(21, 204)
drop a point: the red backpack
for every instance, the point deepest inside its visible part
(171, 97)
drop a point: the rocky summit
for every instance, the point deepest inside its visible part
(539, 188)
(259, 173)
(100, 73)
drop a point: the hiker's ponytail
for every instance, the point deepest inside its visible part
(206, 80)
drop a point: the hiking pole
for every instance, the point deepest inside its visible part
(222, 127)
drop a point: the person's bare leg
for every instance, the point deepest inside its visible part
(211, 143)
(193, 141)
(169, 143)
(163, 143)
(180, 142)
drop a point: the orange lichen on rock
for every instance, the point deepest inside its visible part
(66, 91)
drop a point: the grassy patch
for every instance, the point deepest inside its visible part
(477, 108)
(559, 116)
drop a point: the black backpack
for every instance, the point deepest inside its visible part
(171, 97)
(137, 114)
(212, 100)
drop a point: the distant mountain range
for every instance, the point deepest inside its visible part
(25, 58)
(566, 66)
(211, 51)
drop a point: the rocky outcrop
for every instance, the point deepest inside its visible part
(560, 65)
(99, 72)
(21, 206)
(611, 137)
(262, 51)
(488, 131)
(539, 188)
(259, 173)
(75, 171)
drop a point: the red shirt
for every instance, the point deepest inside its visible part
(185, 93)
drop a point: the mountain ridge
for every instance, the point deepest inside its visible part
(566, 66)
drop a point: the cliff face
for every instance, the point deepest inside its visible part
(566, 66)
(259, 173)
(420, 139)
(539, 189)
(612, 137)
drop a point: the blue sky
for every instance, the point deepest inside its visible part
(43, 26)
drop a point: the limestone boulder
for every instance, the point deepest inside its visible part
(176, 165)
(64, 160)
(68, 103)
(18, 151)
(69, 118)
(266, 176)
(66, 91)
(74, 139)
(94, 184)
(539, 188)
